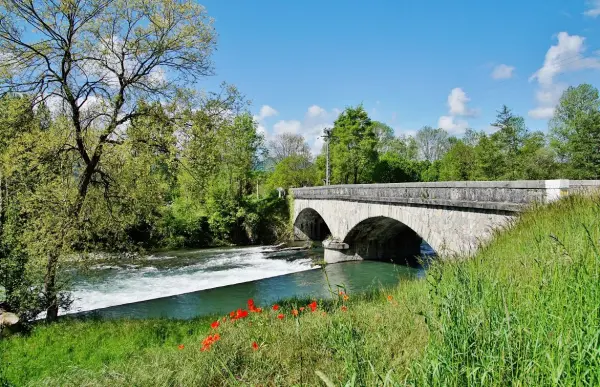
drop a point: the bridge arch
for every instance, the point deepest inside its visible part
(382, 238)
(310, 225)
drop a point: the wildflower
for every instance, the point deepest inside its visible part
(224, 319)
(344, 308)
(275, 307)
(390, 298)
(216, 337)
(258, 310)
(346, 297)
(251, 306)
(215, 324)
(240, 313)
(232, 314)
(295, 312)
(301, 309)
(254, 346)
(280, 316)
(313, 306)
(181, 346)
(341, 293)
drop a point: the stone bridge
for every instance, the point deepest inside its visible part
(389, 221)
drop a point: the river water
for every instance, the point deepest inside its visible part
(189, 283)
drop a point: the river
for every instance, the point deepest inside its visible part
(189, 283)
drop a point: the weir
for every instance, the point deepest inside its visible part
(389, 221)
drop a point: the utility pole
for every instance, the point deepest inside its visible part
(327, 137)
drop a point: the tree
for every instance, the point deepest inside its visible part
(353, 147)
(288, 144)
(457, 163)
(575, 130)
(489, 160)
(294, 171)
(392, 168)
(510, 137)
(107, 54)
(432, 143)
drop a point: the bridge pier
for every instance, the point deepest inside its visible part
(336, 251)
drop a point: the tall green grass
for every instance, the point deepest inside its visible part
(525, 311)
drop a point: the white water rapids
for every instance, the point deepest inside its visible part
(183, 272)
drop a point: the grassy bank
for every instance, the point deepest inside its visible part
(524, 311)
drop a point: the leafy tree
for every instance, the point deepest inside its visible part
(432, 143)
(575, 132)
(288, 144)
(392, 168)
(109, 55)
(294, 171)
(353, 147)
(510, 138)
(457, 163)
(489, 159)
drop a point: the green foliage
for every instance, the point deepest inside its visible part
(392, 168)
(457, 163)
(492, 324)
(293, 171)
(523, 311)
(353, 147)
(576, 131)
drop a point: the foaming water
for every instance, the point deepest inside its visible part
(180, 272)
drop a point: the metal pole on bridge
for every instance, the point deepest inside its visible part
(327, 137)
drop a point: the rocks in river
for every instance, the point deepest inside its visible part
(8, 320)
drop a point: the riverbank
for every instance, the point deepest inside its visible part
(523, 311)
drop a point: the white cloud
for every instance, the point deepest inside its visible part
(291, 126)
(566, 56)
(457, 101)
(503, 71)
(452, 125)
(542, 113)
(265, 112)
(315, 111)
(594, 8)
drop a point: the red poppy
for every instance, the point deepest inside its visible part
(215, 324)
(280, 316)
(254, 346)
(258, 310)
(301, 309)
(344, 308)
(275, 307)
(251, 306)
(232, 314)
(294, 312)
(181, 346)
(241, 313)
(313, 306)
(216, 337)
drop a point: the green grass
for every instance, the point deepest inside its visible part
(525, 311)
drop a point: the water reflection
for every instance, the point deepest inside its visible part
(354, 276)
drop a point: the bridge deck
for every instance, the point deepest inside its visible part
(509, 196)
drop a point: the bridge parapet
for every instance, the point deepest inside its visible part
(506, 196)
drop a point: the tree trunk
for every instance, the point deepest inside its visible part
(50, 288)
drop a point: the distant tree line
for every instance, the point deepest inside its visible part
(367, 151)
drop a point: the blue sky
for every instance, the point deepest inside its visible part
(410, 63)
